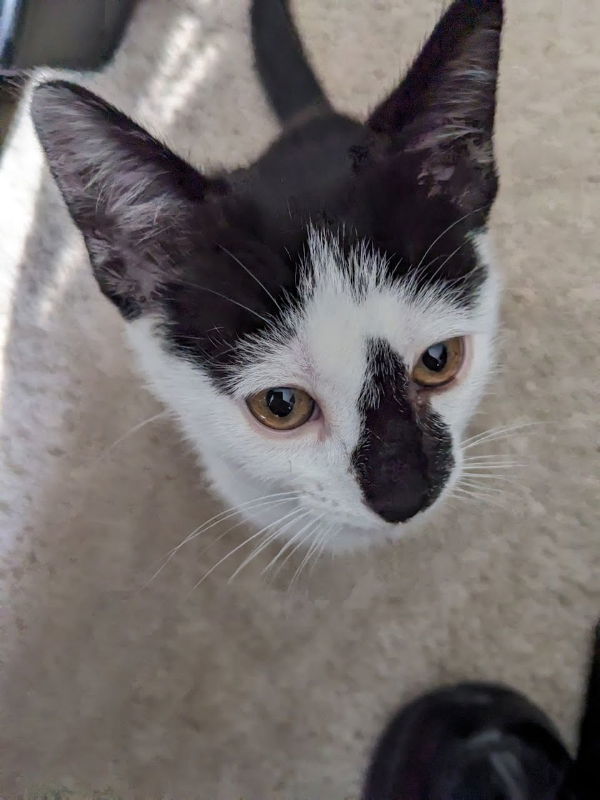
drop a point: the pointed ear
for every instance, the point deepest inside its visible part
(124, 190)
(443, 111)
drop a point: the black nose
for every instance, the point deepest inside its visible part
(404, 453)
(397, 486)
(399, 505)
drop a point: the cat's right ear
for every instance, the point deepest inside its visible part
(123, 188)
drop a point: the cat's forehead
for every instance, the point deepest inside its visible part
(347, 298)
(356, 294)
(271, 313)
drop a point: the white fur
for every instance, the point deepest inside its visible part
(346, 303)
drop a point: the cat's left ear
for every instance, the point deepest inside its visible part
(126, 192)
(442, 114)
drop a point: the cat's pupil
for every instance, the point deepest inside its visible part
(435, 357)
(281, 401)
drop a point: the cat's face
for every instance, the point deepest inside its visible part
(322, 322)
(332, 411)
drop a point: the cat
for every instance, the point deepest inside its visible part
(481, 741)
(322, 322)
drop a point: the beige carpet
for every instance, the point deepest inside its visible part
(248, 689)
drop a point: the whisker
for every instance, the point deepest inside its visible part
(502, 429)
(322, 541)
(443, 233)
(484, 458)
(496, 433)
(225, 297)
(490, 466)
(249, 505)
(263, 545)
(252, 275)
(161, 415)
(488, 477)
(474, 497)
(238, 524)
(299, 545)
(298, 538)
(311, 550)
(223, 516)
(458, 494)
(474, 485)
(441, 266)
(251, 538)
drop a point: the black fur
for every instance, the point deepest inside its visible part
(380, 181)
(291, 85)
(405, 452)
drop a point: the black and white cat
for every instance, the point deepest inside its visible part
(322, 322)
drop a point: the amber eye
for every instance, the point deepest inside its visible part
(282, 407)
(440, 363)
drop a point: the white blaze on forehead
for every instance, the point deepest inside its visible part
(347, 300)
(351, 300)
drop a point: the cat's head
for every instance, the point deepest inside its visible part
(322, 322)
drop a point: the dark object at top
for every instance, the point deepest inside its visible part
(73, 34)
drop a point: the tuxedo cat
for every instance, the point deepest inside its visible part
(321, 322)
(485, 742)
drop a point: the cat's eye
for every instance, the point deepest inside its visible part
(440, 363)
(282, 407)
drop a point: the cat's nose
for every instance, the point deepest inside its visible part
(396, 489)
(399, 509)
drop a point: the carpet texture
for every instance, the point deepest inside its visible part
(252, 689)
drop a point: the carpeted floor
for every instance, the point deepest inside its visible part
(249, 689)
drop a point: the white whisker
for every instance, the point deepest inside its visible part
(225, 297)
(252, 275)
(492, 477)
(299, 539)
(441, 266)
(443, 233)
(223, 516)
(474, 497)
(127, 434)
(263, 545)
(495, 433)
(251, 538)
(467, 464)
(499, 457)
(471, 484)
(322, 541)
(249, 506)
(311, 550)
